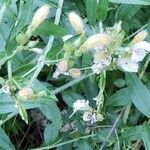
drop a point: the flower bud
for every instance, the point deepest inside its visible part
(25, 93)
(96, 40)
(140, 37)
(39, 16)
(76, 22)
(74, 72)
(21, 38)
(99, 117)
(63, 66)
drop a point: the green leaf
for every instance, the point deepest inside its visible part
(5, 142)
(136, 2)
(126, 11)
(24, 18)
(102, 9)
(54, 51)
(50, 110)
(50, 133)
(84, 145)
(91, 9)
(139, 94)
(47, 106)
(119, 83)
(131, 133)
(121, 97)
(47, 28)
(145, 132)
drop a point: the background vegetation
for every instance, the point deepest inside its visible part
(47, 125)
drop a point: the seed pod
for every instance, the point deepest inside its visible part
(76, 22)
(63, 66)
(74, 72)
(39, 16)
(141, 36)
(93, 41)
(25, 93)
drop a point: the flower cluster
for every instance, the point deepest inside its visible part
(107, 49)
(88, 114)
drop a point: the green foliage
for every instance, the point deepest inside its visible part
(139, 94)
(91, 8)
(5, 142)
(119, 100)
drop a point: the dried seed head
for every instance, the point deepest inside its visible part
(76, 22)
(99, 56)
(96, 40)
(74, 72)
(140, 37)
(39, 16)
(63, 66)
(25, 93)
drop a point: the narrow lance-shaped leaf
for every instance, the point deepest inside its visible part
(102, 9)
(91, 8)
(135, 2)
(139, 94)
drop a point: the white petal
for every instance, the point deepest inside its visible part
(138, 55)
(142, 45)
(81, 105)
(128, 65)
(67, 37)
(89, 116)
(96, 68)
(37, 50)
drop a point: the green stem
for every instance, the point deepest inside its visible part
(9, 70)
(2, 11)
(64, 143)
(142, 28)
(62, 88)
(100, 97)
(145, 66)
(50, 43)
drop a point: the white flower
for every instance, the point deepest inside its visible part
(97, 68)
(142, 45)
(128, 65)
(62, 68)
(100, 65)
(6, 89)
(139, 51)
(67, 37)
(138, 55)
(89, 116)
(81, 105)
